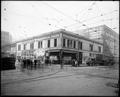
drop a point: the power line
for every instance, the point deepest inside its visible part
(93, 17)
(62, 13)
(48, 19)
(82, 10)
(90, 7)
(103, 20)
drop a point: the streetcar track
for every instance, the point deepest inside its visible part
(29, 79)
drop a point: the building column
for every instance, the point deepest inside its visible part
(61, 60)
(78, 58)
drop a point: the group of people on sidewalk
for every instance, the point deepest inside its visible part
(21, 64)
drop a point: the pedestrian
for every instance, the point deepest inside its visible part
(17, 65)
(76, 63)
(22, 65)
(35, 63)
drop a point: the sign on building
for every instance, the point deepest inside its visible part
(39, 53)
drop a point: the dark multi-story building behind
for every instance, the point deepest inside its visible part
(9, 49)
(6, 38)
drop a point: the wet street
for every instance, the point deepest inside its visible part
(90, 81)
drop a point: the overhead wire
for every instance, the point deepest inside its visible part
(80, 12)
(48, 19)
(63, 13)
(93, 18)
(88, 8)
(94, 3)
(103, 20)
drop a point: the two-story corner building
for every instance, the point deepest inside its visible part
(60, 46)
(105, 35)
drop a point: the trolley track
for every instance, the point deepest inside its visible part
(29, 79)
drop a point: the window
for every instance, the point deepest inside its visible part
(64, 42)
(40, 44)
(48, 43)
(19, 47)
(31, 45)
(25, 46)
(91, 47)
(99, 48)
(68, 43)
(90, 54)
(55, 42)
(74, 44)
(80, 45)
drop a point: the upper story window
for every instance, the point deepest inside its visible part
(40, 44)
(90, 54)
(68, 43)
(91, 47)
(32, 46)
(80, 45)
(19, 47)
(74, 44)
(64, 42)
(55, 42)
(25, 46)
(99, 48)
(48, 43)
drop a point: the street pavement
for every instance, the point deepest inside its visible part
(70, 81)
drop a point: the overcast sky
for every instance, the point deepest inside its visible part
(25, 19)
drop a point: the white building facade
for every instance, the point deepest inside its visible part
(60, 45)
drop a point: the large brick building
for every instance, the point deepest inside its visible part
(105, 35)
(60, 45)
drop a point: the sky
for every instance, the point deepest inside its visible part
(24, 19)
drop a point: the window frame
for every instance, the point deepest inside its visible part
(74, 44)
(32, 46)
(48, 44)
(55, 42)
(91, 47)
(19, 47)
